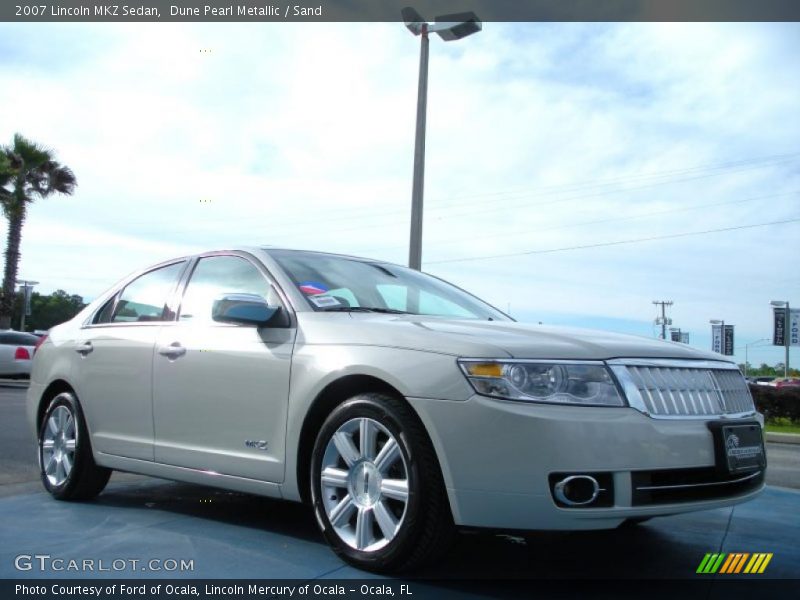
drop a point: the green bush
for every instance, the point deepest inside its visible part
(774, 403)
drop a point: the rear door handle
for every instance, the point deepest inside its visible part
(173, 351)
(84, 349)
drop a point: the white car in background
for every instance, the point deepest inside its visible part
(16, 353)
(399, 406)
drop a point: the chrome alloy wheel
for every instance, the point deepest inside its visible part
(58, 446)
(364, 484)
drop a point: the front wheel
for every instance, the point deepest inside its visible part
(377, 487)
(66, 463)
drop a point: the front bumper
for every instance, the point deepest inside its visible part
(496, 457)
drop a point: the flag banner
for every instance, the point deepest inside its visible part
(779, 329)
(794, 327)
(28, 291)
(728, 346)
(716, 338)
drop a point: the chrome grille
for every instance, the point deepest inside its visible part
(683, 389)
(735, 391)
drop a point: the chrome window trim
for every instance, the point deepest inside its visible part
(176, 295)
(259, 266)
(115, 291)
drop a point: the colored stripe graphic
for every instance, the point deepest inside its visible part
(728, 563)
(767, 558)
(711, 563)
(703, 563)
(741, 562)
(734, 563)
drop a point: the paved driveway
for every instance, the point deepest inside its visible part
(231, 535)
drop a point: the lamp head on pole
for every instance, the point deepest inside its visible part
(456, 26)
(413, 20)
(449, 27)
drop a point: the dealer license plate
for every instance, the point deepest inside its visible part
(743, 447)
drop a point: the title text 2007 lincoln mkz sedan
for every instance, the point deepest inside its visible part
(400, 406)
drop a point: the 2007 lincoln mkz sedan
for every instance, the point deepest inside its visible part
(400, 406)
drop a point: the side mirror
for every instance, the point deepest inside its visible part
(247, 309)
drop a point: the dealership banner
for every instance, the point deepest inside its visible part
(779, 328)
(794, 327)
(716, 338)
(728, 340)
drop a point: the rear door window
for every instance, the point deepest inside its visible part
(145, 298)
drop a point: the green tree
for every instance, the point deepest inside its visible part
(27, 172)
(48, 311)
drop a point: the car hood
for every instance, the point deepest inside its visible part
(483, 339)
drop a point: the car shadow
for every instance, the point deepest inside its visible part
(662, 548)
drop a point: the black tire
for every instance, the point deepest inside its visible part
(425, 529)
(85, 479)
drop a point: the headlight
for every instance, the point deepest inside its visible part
(558, 383)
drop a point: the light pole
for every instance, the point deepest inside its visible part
(721, 324)
(786, 333)
(449, 27)
(746, 347)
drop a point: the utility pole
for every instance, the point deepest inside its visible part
(663, 320)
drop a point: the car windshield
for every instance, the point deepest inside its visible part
(339, 283)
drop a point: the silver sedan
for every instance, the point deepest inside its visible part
(401, 407)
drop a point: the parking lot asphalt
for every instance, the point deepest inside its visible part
(232, 535)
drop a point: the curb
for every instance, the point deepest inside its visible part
(782, 438)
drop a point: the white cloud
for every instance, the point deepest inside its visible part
(538, 136)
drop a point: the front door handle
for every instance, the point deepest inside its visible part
(84, 349)
(173, 351)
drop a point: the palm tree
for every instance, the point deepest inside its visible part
(27, 172)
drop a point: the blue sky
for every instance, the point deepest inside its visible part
(541, 138)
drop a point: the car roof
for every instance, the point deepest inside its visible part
(279, 250)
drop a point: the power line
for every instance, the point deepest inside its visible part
(506, 234)
(515, 202)
(615, 243)
(774, 158)
(652, 179)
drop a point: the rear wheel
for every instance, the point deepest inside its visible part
(66, 463)
(377, 488)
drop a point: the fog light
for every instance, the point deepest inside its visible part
(577, 490)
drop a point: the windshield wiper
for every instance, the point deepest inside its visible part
(375, 309)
